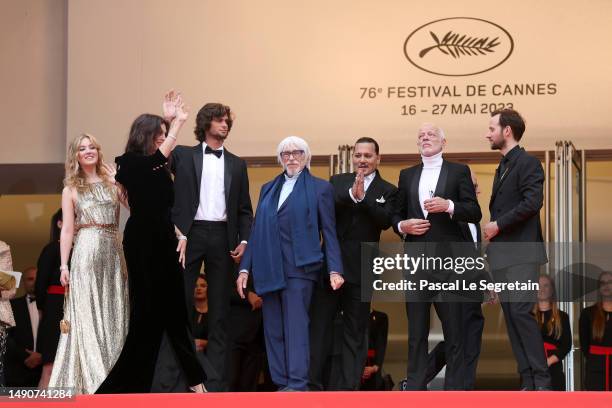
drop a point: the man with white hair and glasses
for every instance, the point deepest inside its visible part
(285, 258)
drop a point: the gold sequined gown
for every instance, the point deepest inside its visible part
(98, 305)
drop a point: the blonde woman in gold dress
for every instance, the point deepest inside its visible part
(97, 305)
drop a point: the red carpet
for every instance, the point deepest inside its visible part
(432, 399)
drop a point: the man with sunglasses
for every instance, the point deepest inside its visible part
(364, 204)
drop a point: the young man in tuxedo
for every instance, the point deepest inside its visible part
(435, 197)
(212, 210)
(518, 195)
(23, 361)
(364, 204)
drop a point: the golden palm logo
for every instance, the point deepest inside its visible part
(456, 45)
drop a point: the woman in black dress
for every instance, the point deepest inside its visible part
(49, 299)
(200, 314)
(154, 250)
(596, 338)
(556, 331)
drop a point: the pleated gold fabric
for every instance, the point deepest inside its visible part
(98, 305)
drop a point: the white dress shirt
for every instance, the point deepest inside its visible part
(287, 188)
(428, 182)
(474, 233)
(33, 310)
(212, 188)
(367, 180)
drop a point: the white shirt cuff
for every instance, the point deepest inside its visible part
(245, 271)
(353, 198)
(451, 208)
(243, 242)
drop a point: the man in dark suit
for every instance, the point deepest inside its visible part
(247, 351)
(212, 210)
(23, 361)
(364, 204)
(518, 195)
(473, 319)
(435, 196)
(285, 257)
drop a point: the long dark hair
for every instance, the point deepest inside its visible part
(143, 133)
(553, 327)
(55, 231)
(599, 316)
(206, 115)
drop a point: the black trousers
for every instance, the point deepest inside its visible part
(355, 319)
(523, 331)
(473, 321)
(208, 243)
(247, 353)
(451, 316)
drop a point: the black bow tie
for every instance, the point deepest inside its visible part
(217, 153)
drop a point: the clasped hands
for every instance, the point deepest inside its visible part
(358, 189)
(419, 226)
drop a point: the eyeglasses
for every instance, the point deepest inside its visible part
(297, 154)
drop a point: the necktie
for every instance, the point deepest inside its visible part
(217, 153)
(501, 170)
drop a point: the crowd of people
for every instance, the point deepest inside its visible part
(201, 296)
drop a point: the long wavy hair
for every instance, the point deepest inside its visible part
(143, 132)
(553, 326)
(599, 317)
(75, 177)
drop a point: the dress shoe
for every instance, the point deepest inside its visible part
(198, 389)
(543, 388)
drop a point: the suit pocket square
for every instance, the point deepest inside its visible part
(381, 200)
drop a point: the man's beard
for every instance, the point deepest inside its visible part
(498, 145)
(291, 172)
(219, 136)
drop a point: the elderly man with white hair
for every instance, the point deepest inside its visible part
(435, 196)
(285, 259)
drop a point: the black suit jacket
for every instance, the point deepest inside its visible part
(19, 339)
(187, 168)
(475, 275)
(363, 221)
(516, 200)
(454, 183)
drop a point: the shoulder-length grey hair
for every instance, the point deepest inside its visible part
(298, 143)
